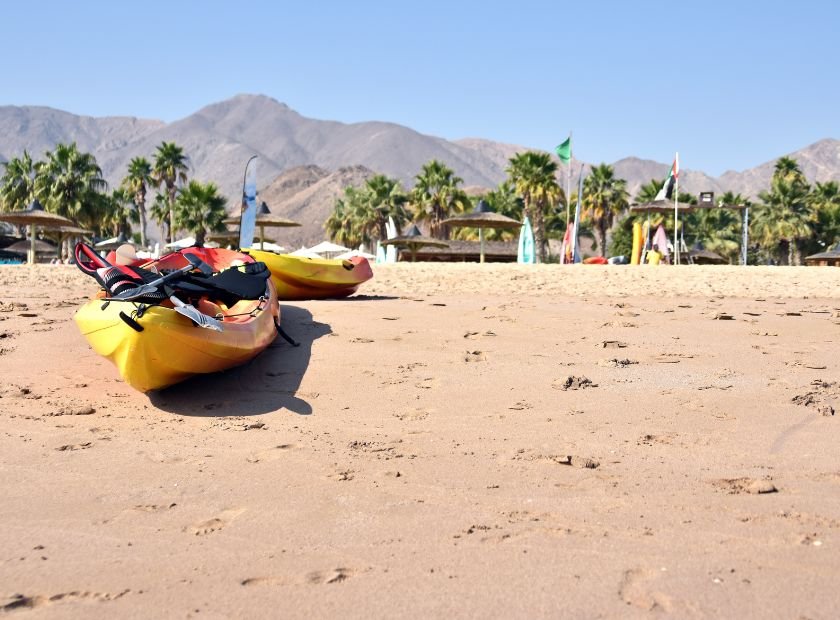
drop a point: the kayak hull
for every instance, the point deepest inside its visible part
(298, 278)
(160, 347)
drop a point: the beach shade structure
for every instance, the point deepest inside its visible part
(354, 253)
(230, 237)
(659, 206)
(268, 247)
(67, 232)
(701, 256)
(483, 217)
(25, 246)
(328, 247)
(829, 258)
(265, 219)
(414, 240)
(305, 253)
(35, 217)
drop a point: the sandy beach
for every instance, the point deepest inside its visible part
(455, 441)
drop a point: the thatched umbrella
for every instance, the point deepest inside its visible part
(68, 232)
(483, 217)
(35, 216)
(702, 256)
(229, 237)
(265, 219)
(413, 240)
(24, 246)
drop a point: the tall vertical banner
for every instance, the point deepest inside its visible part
(564, 152)
(576, 258)
(676, 171)
(248, 218)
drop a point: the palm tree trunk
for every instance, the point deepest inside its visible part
(539, 234)
(171, 189)
(142, 210)
(790, 252)
(797, 252)
(602, 238)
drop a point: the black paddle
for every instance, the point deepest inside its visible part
(155, 285)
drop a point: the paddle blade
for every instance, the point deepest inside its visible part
(202, 320)
(199, 264)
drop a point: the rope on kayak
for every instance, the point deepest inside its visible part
(285, 336)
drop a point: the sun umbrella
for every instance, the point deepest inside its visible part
(483, 217)
(24, 246)
(35, 216)
(304, 252)
(265, 219)
(68, 232)
(327, 247)
(413, 240)
(354, 253)
(229, 237)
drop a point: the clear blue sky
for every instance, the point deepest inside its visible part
(728, 84)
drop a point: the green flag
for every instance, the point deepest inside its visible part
(564, 151)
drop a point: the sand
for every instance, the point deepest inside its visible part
(456, 441)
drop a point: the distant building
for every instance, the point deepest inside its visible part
(831, 258)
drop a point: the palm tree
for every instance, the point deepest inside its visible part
(137, 182)
(788, 169)
(604, 198)
(436, 196)
(385, 198)
(340, 226)
(343, 225)
(534, 175)
(17, 185)
(70, 183)
(160, 214)
(201, 209)
(170, 167)
(648, 191)
(118, 213)
(825, 200)
(785, 215)
(717, 230)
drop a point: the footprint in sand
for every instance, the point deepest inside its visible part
(22, 601)
(266, 581)
(635, 590)
(320, 577)
(737, 486)
(336, 575)
(215, 524)
(270, 454)
(75, 446)
(413, 415)
(427, 384)
(475, 356)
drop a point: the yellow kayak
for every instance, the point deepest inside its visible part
(298, 278)
(154, 346)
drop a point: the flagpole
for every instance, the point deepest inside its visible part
(676, 208)
(568, 192)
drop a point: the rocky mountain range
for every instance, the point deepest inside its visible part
(305, 163)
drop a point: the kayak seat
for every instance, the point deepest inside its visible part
(229, 286)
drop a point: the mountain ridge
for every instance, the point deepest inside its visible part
(221, 136)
